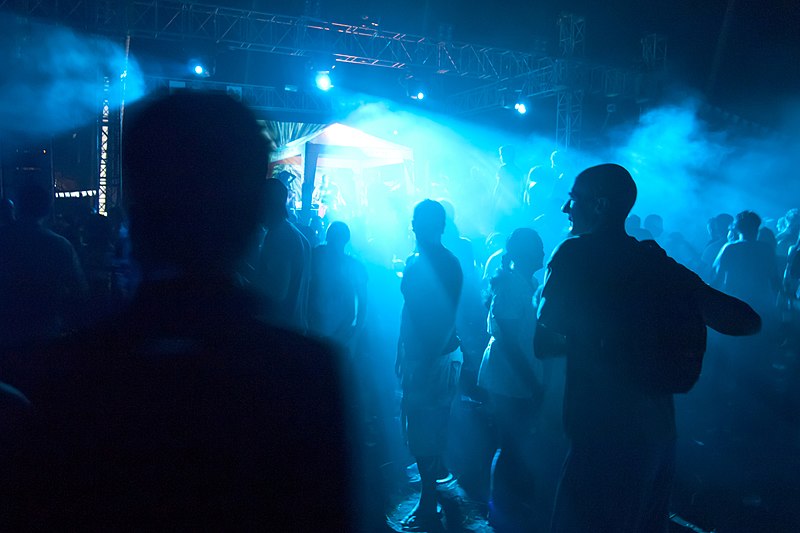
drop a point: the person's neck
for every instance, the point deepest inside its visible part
(428, 245)
(614, 230)
(525, 272)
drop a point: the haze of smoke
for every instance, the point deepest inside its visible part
(52, 78)
(688, 172)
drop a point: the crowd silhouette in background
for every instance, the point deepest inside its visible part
(209, 359)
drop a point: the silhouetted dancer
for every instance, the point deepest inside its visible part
(508, 191)
(718, 227)
(746, 267)
(428, 355)
(42, 285)
(513, 378)
(604, 300)
(338, 294)
(186, 412)
(471, 316)
(545, 188)
(284, 263)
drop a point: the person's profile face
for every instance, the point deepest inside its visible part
(580, 208)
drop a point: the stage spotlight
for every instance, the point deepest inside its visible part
(415, 89)
(521, 108)
(323, 81)
(416, 92)
(201, 68)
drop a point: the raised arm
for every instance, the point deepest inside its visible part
(726, 314)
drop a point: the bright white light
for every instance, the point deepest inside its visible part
(520, 107)
(420, 95)
(198, 69)
(323, 81)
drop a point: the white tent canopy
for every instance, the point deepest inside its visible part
(356, 157)
(344, 146)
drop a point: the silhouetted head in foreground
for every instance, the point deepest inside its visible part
(600, 199)
(194, 175)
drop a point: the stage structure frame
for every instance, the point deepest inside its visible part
(506, 72)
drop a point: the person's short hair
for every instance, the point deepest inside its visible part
(654, 224)
(633, 222)
(614, 183)
(724, 222)
(525, 244)
(33, 201)
(338, 233)
(194, 171)
(747, 223)
(429, 217)
(276, 195)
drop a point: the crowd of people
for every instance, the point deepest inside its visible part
(213, 361)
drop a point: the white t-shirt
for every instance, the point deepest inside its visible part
(513, 300)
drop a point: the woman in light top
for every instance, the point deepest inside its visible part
(512, 376)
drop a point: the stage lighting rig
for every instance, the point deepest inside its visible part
(415, 89)
(323, 81)
(201, 68)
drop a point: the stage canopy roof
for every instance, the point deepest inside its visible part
(340, 145)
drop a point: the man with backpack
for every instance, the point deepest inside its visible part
(631, 323)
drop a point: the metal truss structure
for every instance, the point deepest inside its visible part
(540, 82)
(104, 152)
(281, 34)
(569, 118)
(508, 74)
(567, 79)
(109, 190)
(255, 96)
(654, 51)
(571, 35)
